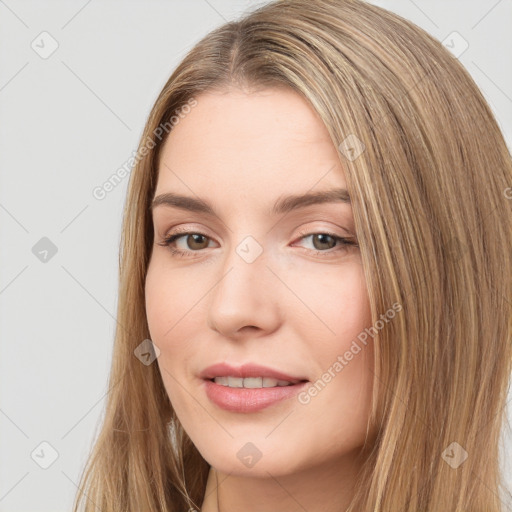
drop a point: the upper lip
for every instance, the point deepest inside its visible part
(245, 370)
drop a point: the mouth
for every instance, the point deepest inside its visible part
(253, 382)
(251, 394)
(249, 387)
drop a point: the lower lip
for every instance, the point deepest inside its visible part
(249, 399)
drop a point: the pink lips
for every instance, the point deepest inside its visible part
(246, 400)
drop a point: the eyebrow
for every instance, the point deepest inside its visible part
(282, 205)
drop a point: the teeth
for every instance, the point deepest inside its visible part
(223, 381)
(234, 382)
(251, 382)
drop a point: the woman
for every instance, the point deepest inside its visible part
(315, 278)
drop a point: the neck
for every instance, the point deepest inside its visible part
(326, 488)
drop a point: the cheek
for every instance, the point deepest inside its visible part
(168, 306)
(169, 300)
(336, 304)
(338, 343)
(176, 313)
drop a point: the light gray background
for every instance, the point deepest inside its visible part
(68, 122)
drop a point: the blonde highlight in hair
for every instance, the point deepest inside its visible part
(434, 229)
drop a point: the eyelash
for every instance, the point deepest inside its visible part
(345, 242)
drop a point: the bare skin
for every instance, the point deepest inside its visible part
(298, 306)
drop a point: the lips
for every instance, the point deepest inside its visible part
(249, 399)
(247, 370)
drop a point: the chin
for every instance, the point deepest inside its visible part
(245, 458)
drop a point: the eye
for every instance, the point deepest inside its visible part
(194, 241)
(328, 242)
(323, 242)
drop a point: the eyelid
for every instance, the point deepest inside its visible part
(327, 231)
(186, 230)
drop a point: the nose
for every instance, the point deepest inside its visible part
(244, 300)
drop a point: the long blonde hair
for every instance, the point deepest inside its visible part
(432, 207)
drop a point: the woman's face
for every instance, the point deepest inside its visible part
(262, 280)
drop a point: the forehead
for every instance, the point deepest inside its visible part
(263, 143)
